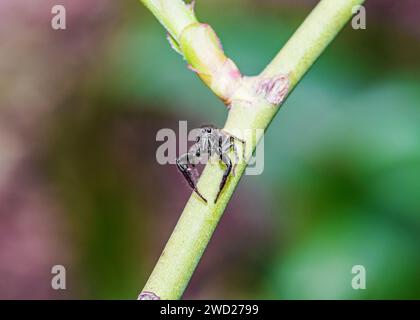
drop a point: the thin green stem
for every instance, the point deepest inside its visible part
(311, 38)
(199, 45)
(249, 111)
(174, 15)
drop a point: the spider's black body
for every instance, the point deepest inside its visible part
(211, 141)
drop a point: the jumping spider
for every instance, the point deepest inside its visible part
(211, 141)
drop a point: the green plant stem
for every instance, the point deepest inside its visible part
(248, 111)
(174, 15)
(311, 38)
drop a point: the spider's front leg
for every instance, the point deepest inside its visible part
(186, 164)
(230, 145)
(226, 160)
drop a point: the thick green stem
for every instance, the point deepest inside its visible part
(249, 111)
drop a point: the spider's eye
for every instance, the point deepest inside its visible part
(208, 130)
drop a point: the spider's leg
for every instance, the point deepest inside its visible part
(194, 154)
(237, 139)
(226, 160)
(235, 153)
(220, 147)
(232, 135)
(183, 163)
(229, 145)
(243, 146)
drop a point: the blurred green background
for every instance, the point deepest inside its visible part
(80, 185)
